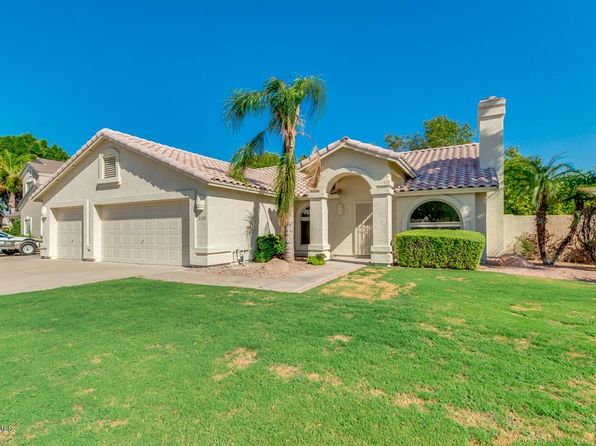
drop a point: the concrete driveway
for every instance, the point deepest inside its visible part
(20, 274)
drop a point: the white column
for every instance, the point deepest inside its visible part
(381, 250)
(319, 225)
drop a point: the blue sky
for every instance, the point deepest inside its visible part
(163, 69)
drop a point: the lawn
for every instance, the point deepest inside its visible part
(384, 356)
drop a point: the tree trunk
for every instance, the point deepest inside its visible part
(579, 208)
(289, 234)
(541, 220)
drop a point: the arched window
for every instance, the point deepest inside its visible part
(435, 214)
(305, 226)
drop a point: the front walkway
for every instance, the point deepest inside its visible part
(293, 283)
(23, 274)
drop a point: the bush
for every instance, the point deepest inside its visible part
(15, 229)
(317, 260)
(269, 246)
(439, 248)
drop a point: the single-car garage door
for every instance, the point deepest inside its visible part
(70, 233)
(154, 234)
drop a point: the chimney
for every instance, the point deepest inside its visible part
(491, 114)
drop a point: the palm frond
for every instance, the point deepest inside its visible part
(241, 104)
(244, 154)
(311, 92)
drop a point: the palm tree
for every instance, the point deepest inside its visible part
(285, 105)
(542, 180)
(10, 179)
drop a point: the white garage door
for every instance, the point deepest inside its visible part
(154, 234)
(70, 233)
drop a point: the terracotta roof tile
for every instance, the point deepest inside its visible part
(452, 167)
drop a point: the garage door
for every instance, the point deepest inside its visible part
(154, 234)
(70, 233)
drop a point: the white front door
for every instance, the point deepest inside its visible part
(364, 229)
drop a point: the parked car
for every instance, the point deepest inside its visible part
(10, 244)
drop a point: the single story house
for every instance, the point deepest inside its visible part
(125, 199)
(35, 174)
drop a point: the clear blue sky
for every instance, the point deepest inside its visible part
(163, 69)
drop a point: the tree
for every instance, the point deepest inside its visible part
(285, 105)
(517, 201)
(542, 181)
(265, 159)
(10, 180)
(438, 132)
(587, 230)
(28, 144)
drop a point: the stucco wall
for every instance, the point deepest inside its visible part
(235, 219)
(518, 225)
(353, 189)
(31, 210)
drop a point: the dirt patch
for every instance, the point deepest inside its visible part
(565, 271)
(370, 286)
(249, 303)
(404, 400)
(522, 343)
(451, 279)
(529, 306)
(443, 333)
(454, 320)
(285, 372)
(96, 360)
(167, 347)
(575, 355)
(253, 269)
(118, 422)
(288, 372)
(238, 359)
(339, 338)
(471, 418)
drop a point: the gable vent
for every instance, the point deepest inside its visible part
(109, 167)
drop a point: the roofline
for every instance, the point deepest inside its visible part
(351, 144)
(448, 191)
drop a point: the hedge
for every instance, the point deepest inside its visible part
(269, 246)
(439, 248)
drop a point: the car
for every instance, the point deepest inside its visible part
(11, 244)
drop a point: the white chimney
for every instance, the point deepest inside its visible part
(491, 115)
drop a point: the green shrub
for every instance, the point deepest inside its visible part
(15, 229)
(439, 248)
(317, 260)
(269, 246)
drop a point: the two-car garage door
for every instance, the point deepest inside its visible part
(154, 234)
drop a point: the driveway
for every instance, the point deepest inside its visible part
(19, 274)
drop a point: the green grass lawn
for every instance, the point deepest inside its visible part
(384, 356)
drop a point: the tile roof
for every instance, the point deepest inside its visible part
(204, 168)
(363, 147)
(439, 168)
(452, 167)
(45, 166)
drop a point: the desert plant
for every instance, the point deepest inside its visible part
(269, 246)
(439, 248)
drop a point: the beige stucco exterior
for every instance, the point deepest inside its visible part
(356, 208)
(224, 227)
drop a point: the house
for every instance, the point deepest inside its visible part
(125, 199)
(35, 174)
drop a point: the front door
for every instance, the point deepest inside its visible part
(364, 229)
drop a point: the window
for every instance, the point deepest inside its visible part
(27, 229)
(435, 214)
(305, 226)
(109, 167)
